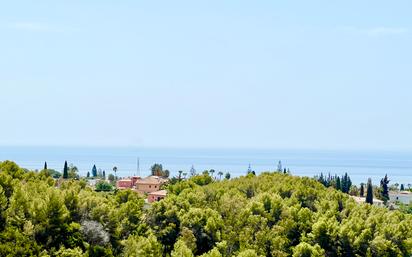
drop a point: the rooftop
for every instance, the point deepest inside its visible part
(160, 192)
(153, 180)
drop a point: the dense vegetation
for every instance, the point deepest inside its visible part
(273, 214)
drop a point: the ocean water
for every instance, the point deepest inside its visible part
(360, 165)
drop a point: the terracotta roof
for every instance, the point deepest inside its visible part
(152, 180)
(160, 192)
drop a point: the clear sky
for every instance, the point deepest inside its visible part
(261, 74)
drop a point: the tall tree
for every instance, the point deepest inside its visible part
(279, 166)
(338, 183)
(73, 171)
(94, 171)
(346, 183)
(192, 171)
(362, 190)
(402, 187)
(65, 171)
(211, 172)
(369, 192)
(115, 171)
(385, 189)
(157, 169)
(45, 166)
(104, 174)
(88, 174)
(343, 183)
(220, 175)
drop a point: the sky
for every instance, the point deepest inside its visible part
(206, 74)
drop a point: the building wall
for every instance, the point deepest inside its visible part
(154, 198)
(147, 188)
(124, 183)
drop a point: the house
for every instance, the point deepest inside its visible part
(92, 182)
(404, 197)
(363, 200)
(156, 196)
(124, 184)
(127, 182)
(149, 184)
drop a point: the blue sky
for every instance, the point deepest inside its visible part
(261, 74)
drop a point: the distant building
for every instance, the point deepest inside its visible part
(127, 183)
(149, 184)
(92, 182)
(156, 196)
(124, 184)
(404, 197)
(363, 200)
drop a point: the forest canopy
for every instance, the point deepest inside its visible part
(273, 214)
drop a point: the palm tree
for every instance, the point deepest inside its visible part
(180, 174)
(397, 186)
(220, 175)
(115, 170)
(211, 172)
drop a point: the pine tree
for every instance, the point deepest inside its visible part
(104, 174)
(338, 184)
(94, 171)
(343, 183)
(45, 166)
(346, 183)
(322, 179)
(362, 190)
(402, 187)
(385, 189)
(369, 192)
(65, 171)
(88, 174)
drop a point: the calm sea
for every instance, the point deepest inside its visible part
(359, 165)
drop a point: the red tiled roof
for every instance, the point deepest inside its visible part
(152, 180)
(160, 193)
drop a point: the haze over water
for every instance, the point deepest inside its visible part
(360, 165)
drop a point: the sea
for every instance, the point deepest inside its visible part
(360, 165)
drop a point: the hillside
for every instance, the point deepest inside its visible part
(268, 215)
